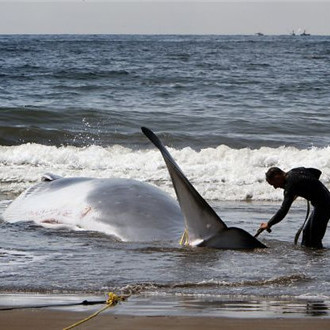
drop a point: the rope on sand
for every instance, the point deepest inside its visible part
(85, 303)
(112, 300)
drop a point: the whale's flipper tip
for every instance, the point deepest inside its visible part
(146, 131)
(152, 137)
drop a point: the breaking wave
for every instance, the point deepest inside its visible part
(221, 173)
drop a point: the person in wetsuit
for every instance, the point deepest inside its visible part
(303, 182)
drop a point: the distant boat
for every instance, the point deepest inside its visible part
(292, 33)
(304, 34)
(259, 34)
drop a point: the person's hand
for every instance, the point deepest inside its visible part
(263, 226)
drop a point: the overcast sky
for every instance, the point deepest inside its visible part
(164, 17)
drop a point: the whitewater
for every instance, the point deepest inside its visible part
(221, 173)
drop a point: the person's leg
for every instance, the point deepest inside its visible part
(315, 228)
(306, 239)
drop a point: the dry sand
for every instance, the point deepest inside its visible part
(35, 319)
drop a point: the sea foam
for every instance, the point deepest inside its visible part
(221, 173)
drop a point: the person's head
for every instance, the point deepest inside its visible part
(275, 177)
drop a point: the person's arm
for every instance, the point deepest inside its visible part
(283, 211)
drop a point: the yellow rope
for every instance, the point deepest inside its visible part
(112, 300)
(184, 238)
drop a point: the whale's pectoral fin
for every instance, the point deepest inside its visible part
(201, 220)
(205, 228)
(50, 177)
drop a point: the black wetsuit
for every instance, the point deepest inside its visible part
(304, 182)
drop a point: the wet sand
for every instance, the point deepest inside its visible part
(53, 319)
(51, 311)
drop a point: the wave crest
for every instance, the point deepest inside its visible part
(221, 173)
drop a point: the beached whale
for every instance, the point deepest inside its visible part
(127, 209)
(202, 224)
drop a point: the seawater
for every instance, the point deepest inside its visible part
(227, 108)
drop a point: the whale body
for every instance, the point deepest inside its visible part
(127, 209)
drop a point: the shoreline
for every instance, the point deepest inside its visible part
(143, 311)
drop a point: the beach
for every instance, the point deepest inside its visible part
(54, 311)
(51, 319)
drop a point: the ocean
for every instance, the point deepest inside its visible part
(227, 108)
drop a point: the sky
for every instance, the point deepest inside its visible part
(164, 17)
